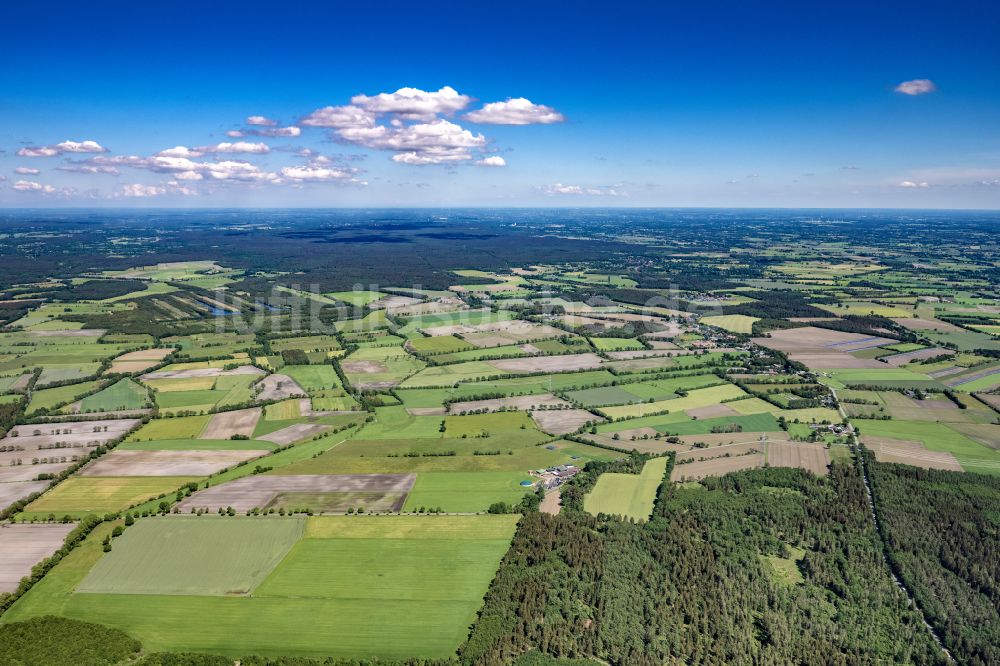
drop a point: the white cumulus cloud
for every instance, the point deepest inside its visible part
(38, 151)
(414, 103)
(180, 151)
(437, 142)
(913, 184)
(916, 87)
(27, 171)
(339, 117)
(81, 147)
(227, 170)
(140, 190)
(291, 130)
(63, 147)
(414, 124)
(32, 186)
(516, 111)
(235, 147)
(314, 173)
(261, 120)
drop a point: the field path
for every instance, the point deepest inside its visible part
(551, 504)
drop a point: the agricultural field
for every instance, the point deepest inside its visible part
(125, 394)
(340, 472)
(628, 495)
(696, 398)
(731, 323)
(82, 494)
(379, 367)
(975, 447)
(25, 545)
(170, 557)
(424, 575)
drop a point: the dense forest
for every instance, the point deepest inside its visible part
(772, 566)
(942, 532)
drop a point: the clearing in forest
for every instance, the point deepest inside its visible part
(628, 495)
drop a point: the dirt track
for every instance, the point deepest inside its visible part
(551, 504)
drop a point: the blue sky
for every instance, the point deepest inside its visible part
(847, 104)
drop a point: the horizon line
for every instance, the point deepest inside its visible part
(6, 209)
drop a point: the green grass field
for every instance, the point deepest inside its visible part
(657, 389)
(174, 401)
(873, 377)
(313, 377)
(629, 495)
(447, 375)
(971, 455)
(862, 308)
(695, 398)
(182, 427)
(476, 425)
(442, 344)
(370, 322)
(61, 373)
(616, 344)
(466, 491)
(282, 411)
(785, 570)
(181, 385)
(306, 343)
(420, 568)
(731, 323)
(357, 456)
(355, 587)
(390, 364)
(49, 398)
(191, 555)
(468, 317)
(396, 423)
(356, 298)
(125, 394)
